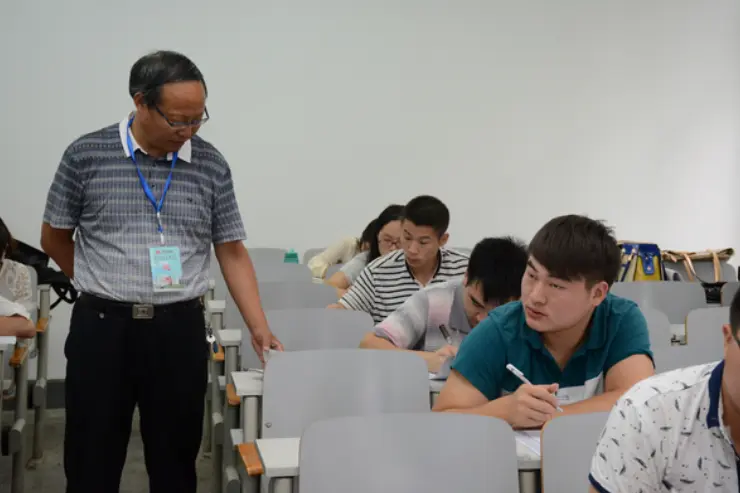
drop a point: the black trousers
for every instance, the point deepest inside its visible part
(116, 362)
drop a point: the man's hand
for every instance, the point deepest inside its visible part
(263, 339)
(531, 406)
(436, 359)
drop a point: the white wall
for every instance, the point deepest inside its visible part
(510, 111)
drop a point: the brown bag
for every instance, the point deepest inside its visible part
(688, 259)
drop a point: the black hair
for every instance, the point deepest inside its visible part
(426, 210)
(735, 314)
(498, 264)
(393, 212)
(154, 70)
(576, 247)
(366, 238)
(7, 243)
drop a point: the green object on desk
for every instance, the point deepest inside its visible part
(291, 257)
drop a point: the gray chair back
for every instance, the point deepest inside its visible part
(675, 299)
(659, 327)
(704, 270)
(267, 255)
(287, 295)
(565, 471)
(676, 357)
(283, 296)
(704, 332)
(409, 453)
(728, 292)
(282, 272)
(302, 387)
(311, 253)
(312, 328)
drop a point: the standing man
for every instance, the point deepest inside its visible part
(130, 216)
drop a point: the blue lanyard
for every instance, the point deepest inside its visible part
(147, 190)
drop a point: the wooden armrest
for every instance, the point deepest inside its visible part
(218, 356)
(42, 325)
(251, 459)
(231, 396)
(19, 356)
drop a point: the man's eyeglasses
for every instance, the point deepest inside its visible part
(192, 123)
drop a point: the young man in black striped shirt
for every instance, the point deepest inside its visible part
(389, 280)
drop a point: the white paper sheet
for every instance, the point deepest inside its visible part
(443, 372)
(530, 439)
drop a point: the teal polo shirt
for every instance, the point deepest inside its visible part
(617, 330)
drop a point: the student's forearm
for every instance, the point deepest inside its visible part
(496, 408)
(16, 326)
(598, 403)
(371, 341)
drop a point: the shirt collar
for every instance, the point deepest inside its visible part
(185, 152)
(714, 388)
(439, 264)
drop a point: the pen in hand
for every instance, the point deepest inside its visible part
(517, 373)
(445, 334)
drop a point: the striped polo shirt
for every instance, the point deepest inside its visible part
(417, 323)
(97, 192)
(667, 434)
(387, 282)
(617, 331)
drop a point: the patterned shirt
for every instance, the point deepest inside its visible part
(666, 435)
(97, 191)
(15, 281)
(11, 309)
(416, 323)
(387, 282)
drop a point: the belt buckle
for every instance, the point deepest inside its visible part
(143, 312)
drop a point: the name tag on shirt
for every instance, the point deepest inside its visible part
(166, 269)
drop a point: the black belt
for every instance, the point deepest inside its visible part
(141, 311)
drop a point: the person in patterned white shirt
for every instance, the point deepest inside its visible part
(15, 278)
(676, 431)
(493, 278)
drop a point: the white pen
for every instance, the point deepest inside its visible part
(518, 374)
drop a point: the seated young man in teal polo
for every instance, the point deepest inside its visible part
(579, 346)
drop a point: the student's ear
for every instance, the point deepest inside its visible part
(727, 336)
(599, 292)
(443, 239)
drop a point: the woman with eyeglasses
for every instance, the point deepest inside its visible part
(384, 237)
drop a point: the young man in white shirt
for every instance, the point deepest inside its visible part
(676, 431)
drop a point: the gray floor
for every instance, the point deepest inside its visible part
(49, 476)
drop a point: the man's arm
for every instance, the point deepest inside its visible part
(241, 280)
(60, 246)
(62, 213)
(619, 379)
(460, 396)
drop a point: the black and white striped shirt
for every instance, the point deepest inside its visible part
(387, 282)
